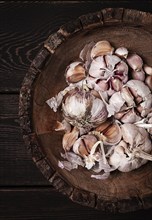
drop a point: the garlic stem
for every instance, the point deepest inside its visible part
(94, 147)
(103, 153)
(142, 124)
(142, 154)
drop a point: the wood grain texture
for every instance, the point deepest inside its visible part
(42, 203)
(16, 166)
(23, 29)
(25, 26)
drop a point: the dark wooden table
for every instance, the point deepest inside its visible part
(24, 192)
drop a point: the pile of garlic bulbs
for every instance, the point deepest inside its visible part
(107, 111)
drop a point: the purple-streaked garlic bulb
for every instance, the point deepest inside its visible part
(133, 151)
(83, 109)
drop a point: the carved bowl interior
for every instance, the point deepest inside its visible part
(121, 191)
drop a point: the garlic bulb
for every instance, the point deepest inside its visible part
(132, 155)
(82, 109)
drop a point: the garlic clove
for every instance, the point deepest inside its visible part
(101, 48)
(98, 112)
(138, 88)
(139, 108)
(69, 139)
(148, 69)
(97, 67)
(75, 72)
(130, 117)
(84, 144)
(95, 93)
(118, 158)
(115, 103)
(119, 115)
(89, 141)
(102, 85)
(148, 82)
(113, 134)
(111, 61)
(104, 125)
(138, 75)
(122, 71)
(85, 52)
(135, 62)
(110, 91)
(127, 96)
(116, 84)
(121, 52)
(82, 149)
(146, 105)
(63, 126)
(138, 99)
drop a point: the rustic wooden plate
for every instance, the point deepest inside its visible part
(122, 192)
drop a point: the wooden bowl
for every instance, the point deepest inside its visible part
(121, 192)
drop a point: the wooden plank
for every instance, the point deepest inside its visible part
(43, 203)
(26, 26)
(16, 165)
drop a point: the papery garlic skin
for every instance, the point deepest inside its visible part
(75, 72)
(97, 67)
